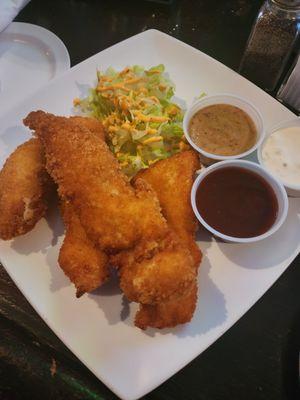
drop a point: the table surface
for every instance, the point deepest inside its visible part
(258, 357)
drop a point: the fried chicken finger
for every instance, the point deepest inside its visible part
(113, 214)
(25, 190)
(172, 180)
(83, 263)
(116, 216)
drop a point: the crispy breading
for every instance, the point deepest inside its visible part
(113, 214)
(120, 218)
(25, 190)
(172, 179)
(84, 264)
(92, 124)
(116, 216)
(168, 314)
(155, 271)
(36, 120)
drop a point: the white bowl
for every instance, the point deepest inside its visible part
(293, 190)
(224, 98)
(273, 182)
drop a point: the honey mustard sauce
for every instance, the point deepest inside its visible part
(223, 129)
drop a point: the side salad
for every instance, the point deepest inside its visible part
(143, 125)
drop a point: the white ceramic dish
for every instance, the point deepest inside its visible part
(99, 328)
(293, 190)
(234, 100)
(277, 187)
(30, 57)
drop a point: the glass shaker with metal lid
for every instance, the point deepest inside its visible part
(271, 42)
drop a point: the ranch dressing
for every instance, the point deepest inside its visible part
(281, 154)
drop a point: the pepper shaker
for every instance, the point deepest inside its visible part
(271, 42)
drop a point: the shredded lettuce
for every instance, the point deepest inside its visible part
(143, 125)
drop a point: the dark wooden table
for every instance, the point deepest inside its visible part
(258, 357)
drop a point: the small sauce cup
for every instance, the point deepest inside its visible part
(276, 185)
(293, 190)
(210, 158)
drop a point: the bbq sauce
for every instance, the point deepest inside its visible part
(237, 202)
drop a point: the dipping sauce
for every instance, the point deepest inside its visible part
(237, 202)
(281, 154)
(223, 129)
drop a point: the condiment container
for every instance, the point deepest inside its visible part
(283, 154)
(271, 42)
(223, 98)
(275, 185)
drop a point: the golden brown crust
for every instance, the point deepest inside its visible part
(155, 266)
(168, 314)
(25, 189)
(172, 179)
(92, 124)
(156, 271)
(113, 214)
(84, 264)
(37, 119)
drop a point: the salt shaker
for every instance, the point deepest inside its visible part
(271, 42)
(289, 91)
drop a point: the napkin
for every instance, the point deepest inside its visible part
(9, 9)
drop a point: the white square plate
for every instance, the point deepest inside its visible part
(99, 328)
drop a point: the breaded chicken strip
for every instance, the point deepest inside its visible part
(113, 214)
(83, 263)
(37, 120)
(25, 186)
(25, 190)
(168, 314)
(172, 179)
(92, 124)
(156, 271)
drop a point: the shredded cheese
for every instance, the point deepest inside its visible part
(153, 140)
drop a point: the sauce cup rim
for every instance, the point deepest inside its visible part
(274, 128)
(190, 112)
(260, 171)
